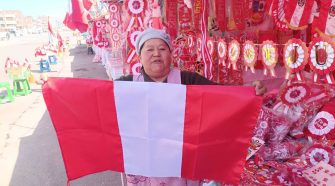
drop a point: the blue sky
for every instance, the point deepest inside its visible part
(53, 8)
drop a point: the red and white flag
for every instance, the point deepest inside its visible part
(297, 13)
(195, 132)
(325, 22)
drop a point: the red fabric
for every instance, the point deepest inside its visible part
(220, 14)
(60, 40)
(171, 17)
(292, 12)
(68, 21)
(88, 135)
(203, 125)
(50, 27)
(87, 4)
(79, 15)
(87, 128)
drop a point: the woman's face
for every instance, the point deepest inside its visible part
(156, 58)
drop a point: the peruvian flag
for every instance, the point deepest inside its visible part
(325, 22)
(152, 129)
(298, 12)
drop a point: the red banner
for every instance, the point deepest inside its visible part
(220, 6)
(184, 17)
(197, 15)
(171, 17)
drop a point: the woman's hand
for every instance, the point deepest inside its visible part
(259, 88)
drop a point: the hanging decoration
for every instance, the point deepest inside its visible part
(269, 57)
(222, 51)
(278, 15)
(324, 24)
(318, 152)
(185, 22)
(99, 31)
(136, 9)
(210, 46)
(206, 58)
(132, 35)
(297, 13)
(115, 24)
(233, 53)
(191, 43)
(136, 68)
(250, 55)
(295, 58)
(322, 58)
(171, 17)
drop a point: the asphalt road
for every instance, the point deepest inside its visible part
(29, 150)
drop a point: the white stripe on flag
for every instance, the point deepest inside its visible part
(151, 124)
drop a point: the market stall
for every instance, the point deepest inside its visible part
(287, 44)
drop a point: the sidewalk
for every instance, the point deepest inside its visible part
(29, 150)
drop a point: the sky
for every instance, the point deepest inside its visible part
(52, 8)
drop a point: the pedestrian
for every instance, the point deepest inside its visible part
(154, 49)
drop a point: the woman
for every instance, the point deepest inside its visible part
(154, 48)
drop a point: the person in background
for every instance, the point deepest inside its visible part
(154, 48)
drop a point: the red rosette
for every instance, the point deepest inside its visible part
(295, 55)
(269, 56)
(250, 54)
(317, 153)
(114, 23)
(132, 35)
(222, 49)
(210, 46)
(234, 53)
(322, 56)
(116, 37)
(323, 124)
(136, 68)
(113, 8)
(136, 7)
(295, 94)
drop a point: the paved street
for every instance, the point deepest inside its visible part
(29, 150)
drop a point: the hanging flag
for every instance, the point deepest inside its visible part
(195, 132)
(297, 13)
(325, 22)
(51, 31)
(68, 21)
(79, 15)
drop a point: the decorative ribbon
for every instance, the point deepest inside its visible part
(132, 35)
(222, 51)
(204, 49)
(269, 56)
(234, 50)
(136, 9)
(322, 58)
(295, 58)
(115, 23)
(249, 55)
(278, 14)
(136, 68)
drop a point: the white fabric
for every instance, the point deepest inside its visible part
(174, 77)
(156, 152)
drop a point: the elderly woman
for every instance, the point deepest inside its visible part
(154, 48)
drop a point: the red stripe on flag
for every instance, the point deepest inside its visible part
(87, 131)
(216, 140)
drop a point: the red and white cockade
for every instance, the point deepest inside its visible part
(295, 58)
(132, 35)
(297, 13)
(269, 57)
(318, 152)
(136, 9)
(115, 23)
(222, 51)
(233, 53)
(323, 124)
(322, 58)
(250, 55)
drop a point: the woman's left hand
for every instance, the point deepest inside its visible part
(260, 88)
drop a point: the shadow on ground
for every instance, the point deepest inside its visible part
(39, 161)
